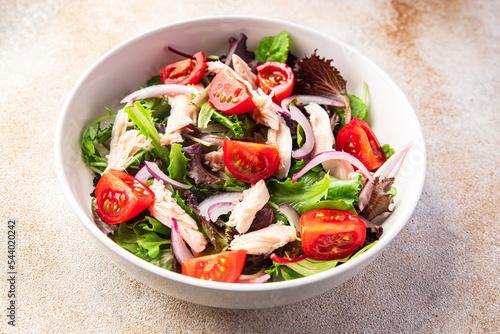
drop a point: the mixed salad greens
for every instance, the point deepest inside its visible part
(248, 167)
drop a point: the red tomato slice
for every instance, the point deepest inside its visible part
(358, 139)
(229, 95)
(329, 234)
(250, 162)
(184, 72)
(221, 267)
(275, 77)
(120, 197)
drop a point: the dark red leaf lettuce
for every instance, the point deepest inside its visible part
(380, 200)
(317, 76)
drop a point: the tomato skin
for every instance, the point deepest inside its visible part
(221, 267)
(249, 161)
(229, 95)
(330, 234)
(120, 197)
(275, 77)
(358, 139)
(184, 72)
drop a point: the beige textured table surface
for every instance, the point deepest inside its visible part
(442, 272)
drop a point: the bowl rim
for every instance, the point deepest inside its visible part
(369, 255)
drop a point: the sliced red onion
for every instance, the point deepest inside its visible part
(281, 260)
(333, 155)
(306, 99)
(253, 280)
(158, 174)
(389, 169)
(143, 174)
(308, 146)
(232, 196)
(179, 248)
(159, 90)
(218, 209)
(292, 215)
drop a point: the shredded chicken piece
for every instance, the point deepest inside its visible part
(183, 113)
(264, 241)
(244, 71)
(201, 98)
(264, 113)
(323, 134)
(124, 144)
(215, 160)
(165, 208)
(283, 139)
(244, 212)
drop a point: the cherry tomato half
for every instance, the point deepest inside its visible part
(250, 162)
(221, 267)
(358, 139)
(184, 72)
(120, 197)
(330, 234)
(229, 95)
(275, 77)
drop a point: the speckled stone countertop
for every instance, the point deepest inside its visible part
(440, 274)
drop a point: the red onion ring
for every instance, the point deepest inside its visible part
(159, 90)
(158, 174)
(333, 155)
(217, 209)
(255, 280)
(232, 196)
(179, 248)
(143, 174)
(306, 99)
(309, 143)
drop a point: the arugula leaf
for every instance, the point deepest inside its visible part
(159, 107)
(233, 184)
(152, 242)
(317, 76)
(231, 122)
(156, 80)
(90, 154)
(298, 194)
(273, 48)
(178, 163)
(142, 118)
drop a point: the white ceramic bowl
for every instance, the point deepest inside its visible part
(131, 63)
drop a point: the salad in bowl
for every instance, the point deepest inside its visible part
(251, 166)
(185, 181)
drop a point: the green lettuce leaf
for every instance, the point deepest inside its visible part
(95, 135)
(273, 48)
(299, 194)
(346, 190)
(331, 204)
(178, 164)
(308, 267)
(143, 120)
